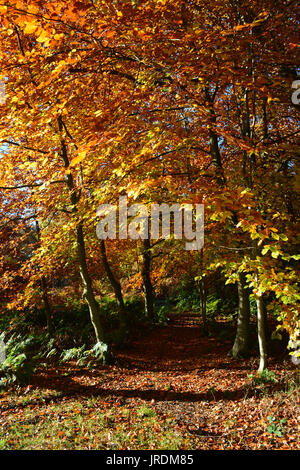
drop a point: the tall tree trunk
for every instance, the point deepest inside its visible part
(115, 285)
(266, 324)
(261, 334)
(88, 293)
(203, 307)
(47, 305)
(146, 276)
(202, 293)
(213, 138)
(241, 343)
(44, 287)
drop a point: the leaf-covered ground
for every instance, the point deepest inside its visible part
(171, 388)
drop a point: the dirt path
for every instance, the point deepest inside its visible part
(175, 370)
(169, 359)
(174, 361)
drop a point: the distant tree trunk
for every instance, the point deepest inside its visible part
(115, 285)
(261, 334)
(202, 293)
(213, 139)
(146, 276)
(219, 284)
(47, 305)
(203, 307)
(241, 343)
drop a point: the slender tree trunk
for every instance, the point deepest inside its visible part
(202, 293)
(88, 293)
(213, 139)
(241, 343)
(261, 334)
(146, 276)
(115, 285)
(203, 307)
(47, 305)
(266, 324)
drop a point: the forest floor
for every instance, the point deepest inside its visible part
(171, 388)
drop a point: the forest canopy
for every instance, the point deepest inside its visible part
(165, 102)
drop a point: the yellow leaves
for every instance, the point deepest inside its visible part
(3, 9)
(30, 28)
(81, 156)
(270, 99)
(33, 9)
(110, 34)
(44, 185)
(257, 292)
(241, 26)
(261, 18)
(59, 67)
(44, 37)
(221, 215)
(85, 148)
(245, 191)
(71, 15)
(143, 35)
(58, 36)
(28, 166)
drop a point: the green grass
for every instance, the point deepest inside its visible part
(86, 424)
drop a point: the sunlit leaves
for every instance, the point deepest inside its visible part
(143, 88)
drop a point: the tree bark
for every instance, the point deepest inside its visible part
(203, 307)
(202, 293)
(261, 334)
(47, 305)
(146, 276)
(241, 343)
(115, 285)
(88, 293)
(265, 311)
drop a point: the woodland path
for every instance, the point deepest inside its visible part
(177, 371)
